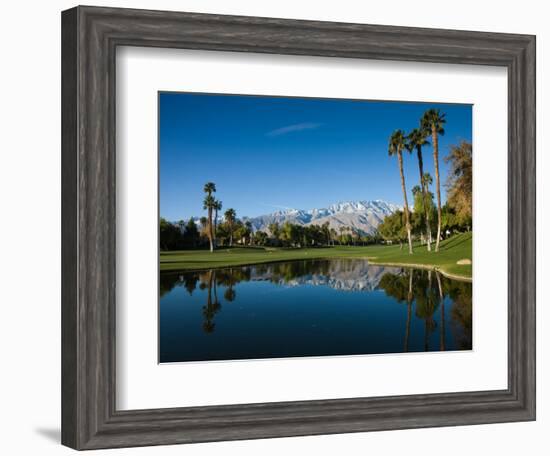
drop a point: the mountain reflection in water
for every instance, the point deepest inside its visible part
(310, 308)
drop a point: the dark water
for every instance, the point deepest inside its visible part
(310, 308)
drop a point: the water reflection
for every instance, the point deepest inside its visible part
(347, 275)
(435, 306)
(428, 290)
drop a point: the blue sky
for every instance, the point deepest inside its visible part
(271, 153)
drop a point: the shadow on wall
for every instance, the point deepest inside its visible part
(52, 434)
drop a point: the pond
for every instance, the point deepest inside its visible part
(310, 308)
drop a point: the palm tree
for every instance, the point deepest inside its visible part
(432, 123)
(428, 198)
(396, 146)
(208, 204)
(217, 207)
(427, 181)
(210, 187)
(415, 140)
(230, 217)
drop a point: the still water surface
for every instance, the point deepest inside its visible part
(310, 308)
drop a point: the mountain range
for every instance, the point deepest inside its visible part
(363, 216)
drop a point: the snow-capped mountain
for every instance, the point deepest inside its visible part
(363, 216)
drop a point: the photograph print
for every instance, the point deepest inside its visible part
(307, 227)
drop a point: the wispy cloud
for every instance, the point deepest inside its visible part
(277, 206)
(292, 128)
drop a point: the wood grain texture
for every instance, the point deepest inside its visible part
(89, 39)
(69, 229)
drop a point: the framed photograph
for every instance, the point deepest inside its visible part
(279, 228)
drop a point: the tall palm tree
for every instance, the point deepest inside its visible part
(415, 140)
(217, 207)
(230, 217)
(432, 123)
(395, 147)
(209, 188)
(208, 204)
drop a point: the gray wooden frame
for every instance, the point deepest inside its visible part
(90, 36)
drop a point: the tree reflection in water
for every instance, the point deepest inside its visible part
(424, 292)
(419, 287)
(212, 307)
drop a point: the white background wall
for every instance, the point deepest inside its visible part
(30, 201)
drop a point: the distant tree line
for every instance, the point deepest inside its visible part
(294, 235)
(180, 235)
(232, 231)
(188, 235)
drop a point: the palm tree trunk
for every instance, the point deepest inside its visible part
(424, 196)
(231, 234)
(406, 207)
(210, 234)
(215, 227)
(437, 186)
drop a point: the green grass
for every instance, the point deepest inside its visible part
(451, 250)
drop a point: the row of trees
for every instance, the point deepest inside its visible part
(187, 235)
(456, 214)
(180, 235)
(460, 181)
(293, 235)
